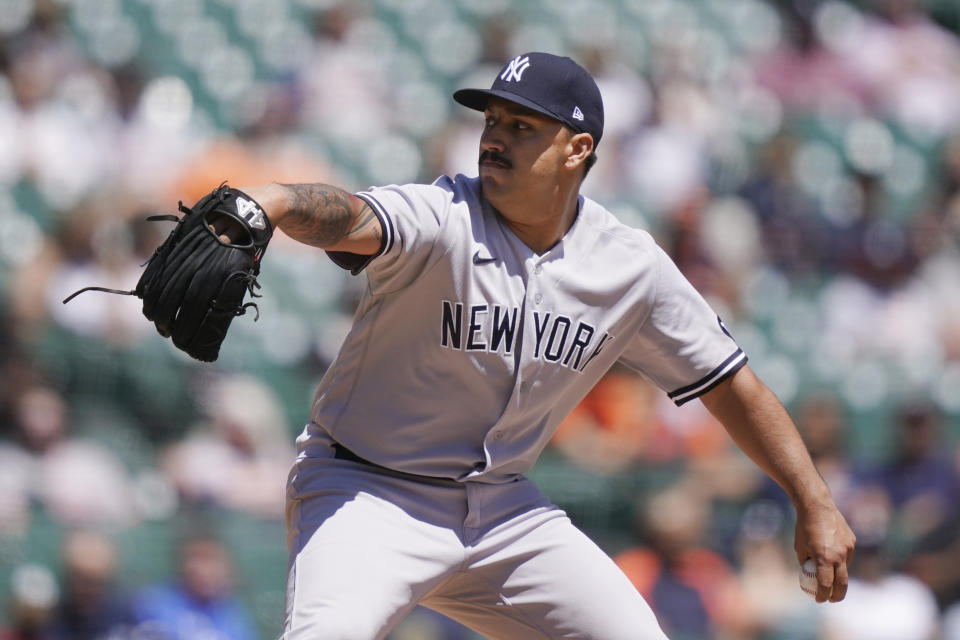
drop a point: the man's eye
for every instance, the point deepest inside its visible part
(521, 125)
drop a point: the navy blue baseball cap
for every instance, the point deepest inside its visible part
(555, 86)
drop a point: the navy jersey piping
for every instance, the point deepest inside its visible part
(355, 262)
(726, 369)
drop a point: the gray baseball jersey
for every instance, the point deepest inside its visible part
(468, 349)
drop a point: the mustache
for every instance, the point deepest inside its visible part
(494, 156)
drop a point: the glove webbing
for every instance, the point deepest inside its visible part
(250, 280)
(123, 292)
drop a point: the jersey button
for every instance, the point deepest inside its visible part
(537, 299)
(498, 435)
(538, 270)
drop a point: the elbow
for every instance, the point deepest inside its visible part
(737, 388)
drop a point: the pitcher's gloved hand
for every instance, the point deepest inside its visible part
(195, 283)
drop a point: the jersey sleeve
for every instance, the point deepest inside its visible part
(682, 346)
(412, 217)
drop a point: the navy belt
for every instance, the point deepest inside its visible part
(340, 452)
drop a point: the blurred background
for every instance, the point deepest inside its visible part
(799, 160)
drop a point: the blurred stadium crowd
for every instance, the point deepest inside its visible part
(799, 159)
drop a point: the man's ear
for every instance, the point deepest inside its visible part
(580, 147)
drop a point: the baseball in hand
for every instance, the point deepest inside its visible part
(808, 577)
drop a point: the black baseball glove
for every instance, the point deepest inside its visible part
(195, 283)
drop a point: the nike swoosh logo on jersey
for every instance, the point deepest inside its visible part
(478, 259)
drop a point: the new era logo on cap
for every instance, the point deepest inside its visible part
(555, 86)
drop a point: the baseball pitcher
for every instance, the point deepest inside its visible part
(493, 304)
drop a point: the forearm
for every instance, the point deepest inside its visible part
(320, 215)
(759, 424)
(761, 427)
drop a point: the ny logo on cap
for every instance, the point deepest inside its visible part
(515, 69)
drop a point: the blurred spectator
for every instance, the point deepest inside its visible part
(357, 111)
(874, 247)
(921, 484)
(681, 234)
(692, 589)
(822, 422)
(667, 161)
(801, 72)
(624, 420)
(951, 622)
(37, 60)
(627, 106)
(200, 603)
(935, 561)
(775, 606)
(163, 135)
(919, 478)
(608, 429)
(239, 458)
(882, 603)
(795, 239)
(33, 595)
(90, 606)
(248, 160)
(66, 112)
(16, 490)
(910, 63)
(689, 434)
(98, 244)
(79, 482)
(939, 231)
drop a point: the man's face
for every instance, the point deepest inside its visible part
(206, 569)
(522, 154)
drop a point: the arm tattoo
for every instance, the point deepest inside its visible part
(368, 218)
(318, 214)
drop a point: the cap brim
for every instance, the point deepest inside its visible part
(477, 99)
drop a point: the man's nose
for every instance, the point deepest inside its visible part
(492, 140)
